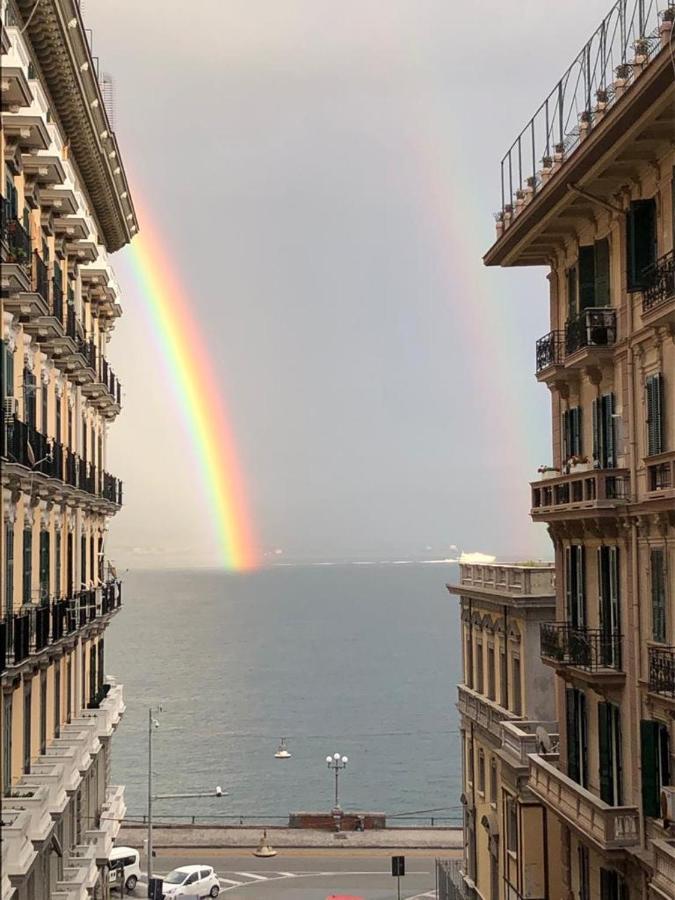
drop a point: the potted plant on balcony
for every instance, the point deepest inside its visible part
(641, 47)
(547, 472)
(546, 168)
(585, 123)
(499, 223)
(578, 464)
(666, 26)
(622, 75)
(601, 100)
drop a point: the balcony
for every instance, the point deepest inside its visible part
(18, 853)
(29, 632)
(114, 809)
(608, 827)
(658, 297)
(550, 355)
(661, 476)
(486, 713)
(595, 651)
(662, 671)
(508, 578)
(24, 446)
(105, 392)
(662, 885)
(585, 341)
(35, 802)
(520, 740)
(582, 491)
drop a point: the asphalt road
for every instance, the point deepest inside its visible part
(303, 875)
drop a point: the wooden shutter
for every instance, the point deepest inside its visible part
(578, 441)
(605, 752)
(569, 583)
(664, 753)
(596, 431)
(609, 431)
(640, 241)
(44, 564)
(601, 266)
(649, 741)
(586, 277)
(655, 417)
(580, 584)
(572, 305)
(27, 564)
(566, 435)
(572, 735)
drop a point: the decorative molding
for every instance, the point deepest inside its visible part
(10, 331)
(28, 353)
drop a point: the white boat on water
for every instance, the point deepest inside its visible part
(282, 751)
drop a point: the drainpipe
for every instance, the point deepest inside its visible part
(505, 611)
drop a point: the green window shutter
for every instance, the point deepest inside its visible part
(605, 753)
(649, 741)
(640, 241)
(583, 724)
(609, 429)
(658, 585)
(578, 437)
(586, 277)
(44, 564)
(664, 753)
(596, 431)
(659, 408)
(27, 564)
(572, 304)
(572, 735)
(9, 568)
(566, 434)
(651, 416)
(580, 584)
(569, 581)
(601, 266)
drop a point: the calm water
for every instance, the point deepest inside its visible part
(358, 659)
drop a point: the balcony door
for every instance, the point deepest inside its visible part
(655, 747)
(609, 753)
(577, 736)
(610, 607)
(604, 432)
(575, 585)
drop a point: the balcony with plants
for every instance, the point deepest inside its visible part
(594, 654)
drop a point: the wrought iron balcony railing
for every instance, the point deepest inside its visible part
(18, 243)
(584, 489)
(26, 446)
(33, 629)
(550, 350)
(40, 277)
(661, 472)
(660, 281)
(595, 327)
(110, 380)
(626, 40)
(585, 648)
(662, 671)
(57, 299)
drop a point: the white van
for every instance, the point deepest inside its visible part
(128, 859)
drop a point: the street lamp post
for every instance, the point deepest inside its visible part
(336, 762)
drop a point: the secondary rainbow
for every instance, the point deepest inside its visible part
(195, 383)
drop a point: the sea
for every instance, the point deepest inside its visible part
(357, 659)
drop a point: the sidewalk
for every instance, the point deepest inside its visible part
(246, 837)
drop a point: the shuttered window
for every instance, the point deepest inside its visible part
(654, 388)
(44, 565)
(604, 432)
(9, 567)
(7, 371)
(641, 242)
(657, 571)
(83, 562)
(57, 699)
(612, 886)
(655, 757)
(27, 723)
(609, 606)
(584, 873)
(6, 743)
(29, 390)
(44, 413)
(609, 753)
(586, 277)
(572, 432)
(575, 585)
(57, 564)
(572, 300)
(601, 273)
(577, 736)
(27, 564)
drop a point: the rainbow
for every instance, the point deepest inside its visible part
(195, 383)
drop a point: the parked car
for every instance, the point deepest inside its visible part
(128, 859)
(191, 881)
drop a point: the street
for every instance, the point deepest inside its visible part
(309, 875)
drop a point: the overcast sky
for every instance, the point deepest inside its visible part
(325, 175)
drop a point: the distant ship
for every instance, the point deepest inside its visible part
(282, 751)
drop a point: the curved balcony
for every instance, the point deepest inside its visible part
(658, 297)
(594, 653)
(586, 341)
(662, 671)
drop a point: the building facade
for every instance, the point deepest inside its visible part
(65, 206)
(507, 709)
(588, 191)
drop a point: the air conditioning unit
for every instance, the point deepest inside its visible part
(9, 407)
(668, 804)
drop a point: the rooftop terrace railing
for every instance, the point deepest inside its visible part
(627, 38)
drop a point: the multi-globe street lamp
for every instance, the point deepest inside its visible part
(337, 763)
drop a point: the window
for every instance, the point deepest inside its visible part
(479, 668)
(584, 873)
(6, 743)
(503, 679)
(610, 618)
(26, 728)
(641, 242)
(572, 301)
(575, 585)
(57, 563)
(44, 413)
(655, 415)
(491, 673)
(577, 736)
(572, 427)
(44, 565)
(469, 660)
(657, 568)
(612, 885)
(6, 371)
(27, 564)
(469, 756)
(655, 744)
(43, 712)
(517, 689)
(69, 689)
(29, 398)
(83, 562)
(9, 568)
(57, 699)
(609, 753)
(604, 432)
(594, 275)
(58, 425)
(511, 824)
(493, 782)
(481, 771)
